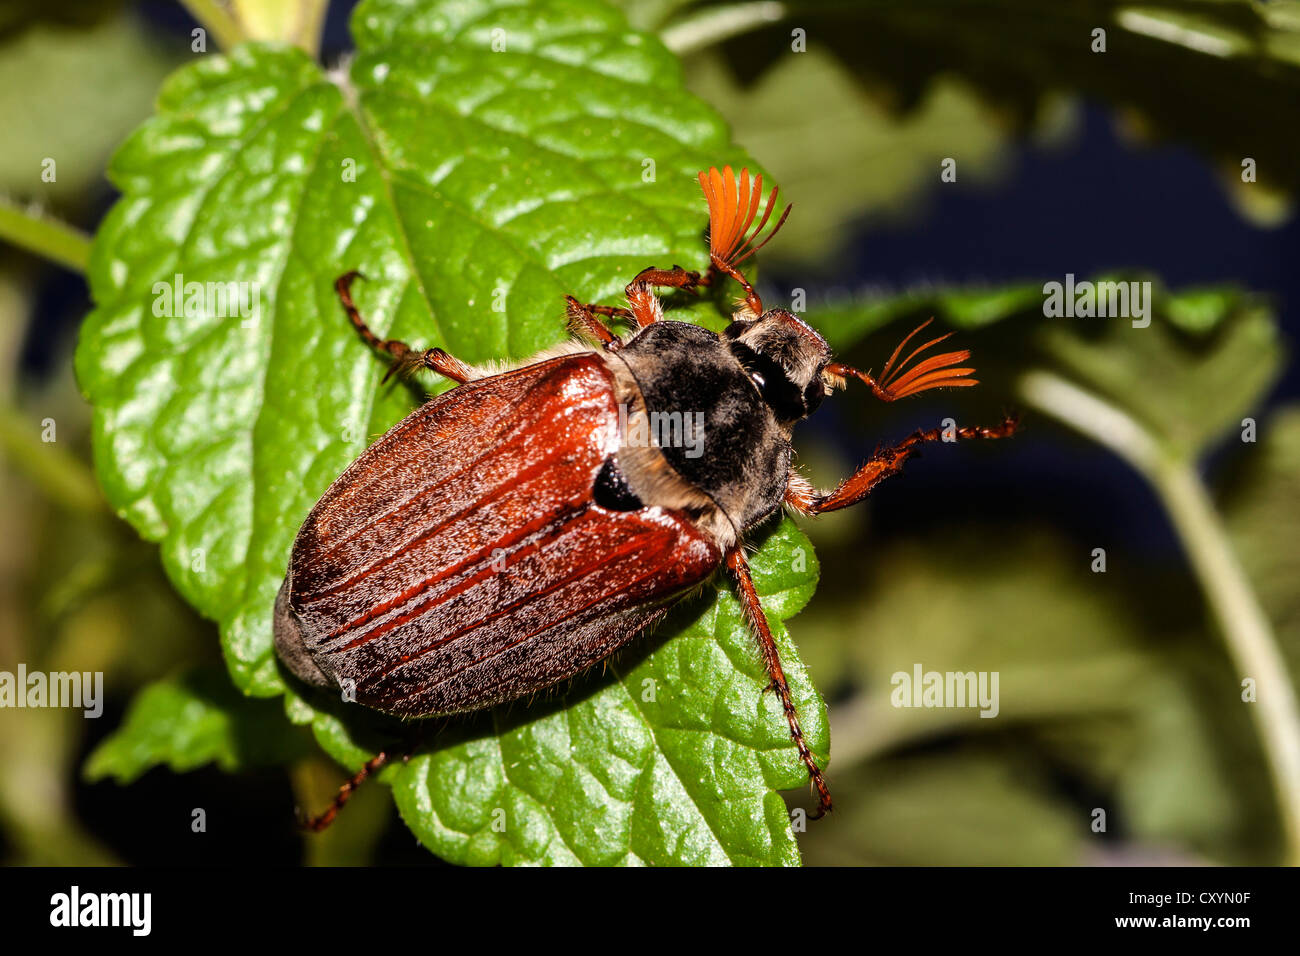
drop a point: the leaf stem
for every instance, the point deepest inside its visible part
(49, 238)
(720, 23)
(217, 20)
(1245, 627)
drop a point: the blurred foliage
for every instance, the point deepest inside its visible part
(933, 78)
(1112, 686)
(1115, 689)
(190, 720)
(18, 16)
(1208, 356)
(79, 592)
(1107, 688)
(821, 156)
(1262, 497)
(109, 70)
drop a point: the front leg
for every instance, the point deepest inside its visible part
(674, 278)
(803, 498)
(739, 568)
(644, 306)
(405, 359)
(582, 321)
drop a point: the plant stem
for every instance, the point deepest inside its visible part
(1242, 621)
(282, 21)
(60, 476)
(716, 24)
(49, 238)
(213, 16)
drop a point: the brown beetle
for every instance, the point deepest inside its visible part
(508, 534)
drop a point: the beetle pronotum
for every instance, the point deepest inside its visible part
(506, 535)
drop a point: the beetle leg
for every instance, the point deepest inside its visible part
(739, 568)
(803, 498)
(319, 822)
(583, 321)
(645, 308)
(435, 359)
(674, 278)
(405, 358)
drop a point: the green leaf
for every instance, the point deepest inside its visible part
(502, 157)
(79, 73)
(190, 721)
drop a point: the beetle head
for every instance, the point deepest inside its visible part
(785, 358)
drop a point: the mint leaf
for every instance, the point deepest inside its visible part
(478, 162)
(192, 720)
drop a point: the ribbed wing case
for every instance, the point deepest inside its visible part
(462, 562)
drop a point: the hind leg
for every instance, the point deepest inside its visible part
(739, 568)
(405, 359)
(800, 496)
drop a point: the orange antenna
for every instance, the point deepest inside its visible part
(895, 383)
(732, 209)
